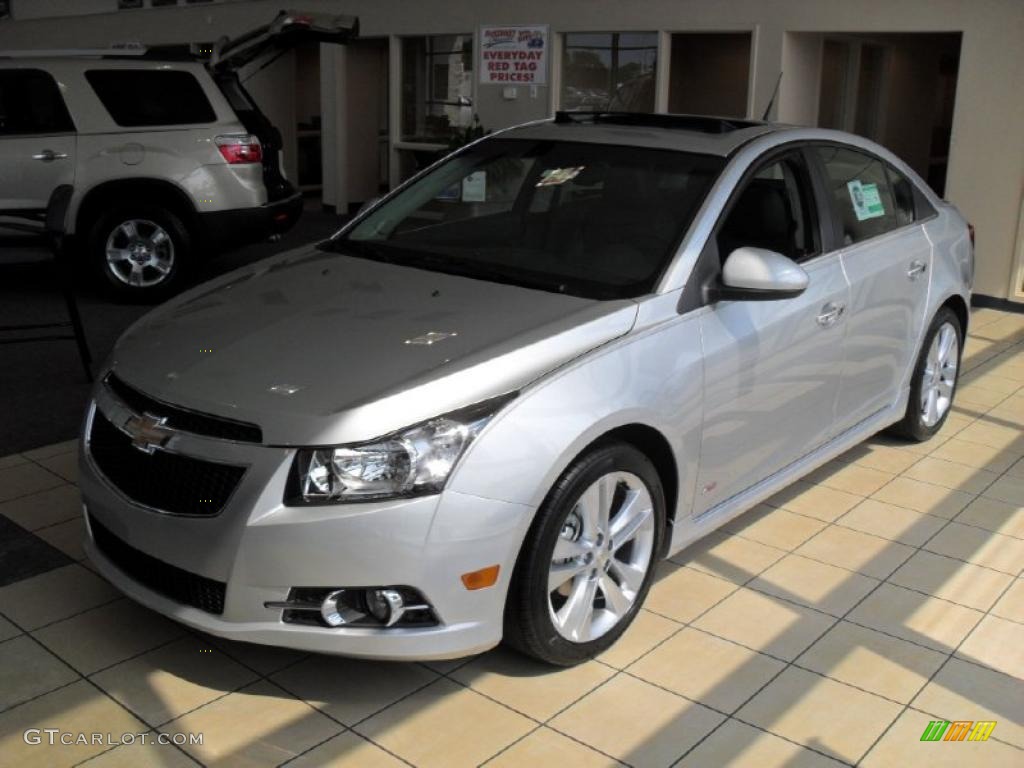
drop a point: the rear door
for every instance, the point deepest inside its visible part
(888, 260)
(37, 141)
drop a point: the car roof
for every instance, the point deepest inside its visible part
(686, 133)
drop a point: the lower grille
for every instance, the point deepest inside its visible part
(161, 480)
(168, 580)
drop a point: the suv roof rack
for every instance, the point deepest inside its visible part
(117, 49)
(700, 123)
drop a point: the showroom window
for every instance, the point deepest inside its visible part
(140, 97)
(30, 103)
(437, 87)
(609, 71)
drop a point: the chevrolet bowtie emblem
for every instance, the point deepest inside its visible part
(147, 432)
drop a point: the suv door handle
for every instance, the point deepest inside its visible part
(830, 314)
(48, 156)
(917, 268)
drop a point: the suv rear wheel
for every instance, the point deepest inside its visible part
(139, 252)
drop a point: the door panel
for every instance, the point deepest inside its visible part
(772, 373)
(33, 167)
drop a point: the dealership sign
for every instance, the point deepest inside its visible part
(514, 55)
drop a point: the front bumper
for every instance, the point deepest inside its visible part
(261, 549)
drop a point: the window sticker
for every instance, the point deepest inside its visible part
(554, 176)
(867, 203)
(474, 187)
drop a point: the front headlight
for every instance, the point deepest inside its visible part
(412, 462)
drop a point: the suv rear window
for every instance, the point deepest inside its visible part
(30, 103)
(144, 97)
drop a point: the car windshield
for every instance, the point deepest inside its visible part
(589, 220)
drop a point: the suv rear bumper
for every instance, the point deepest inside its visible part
(223, 230)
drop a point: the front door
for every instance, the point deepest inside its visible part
(772, 368)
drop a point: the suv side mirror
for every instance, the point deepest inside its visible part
(757, 274)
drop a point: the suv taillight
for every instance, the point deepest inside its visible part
(240, 148)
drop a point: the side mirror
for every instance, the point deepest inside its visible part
(757, 274)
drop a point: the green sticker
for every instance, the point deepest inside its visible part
(867, 203)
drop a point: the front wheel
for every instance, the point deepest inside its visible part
(588, 559)
(934, 379)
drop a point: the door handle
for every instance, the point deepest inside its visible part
(916, 269)
(48, 156)
(830, 314)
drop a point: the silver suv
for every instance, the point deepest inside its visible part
(166, 156)
(488, 406)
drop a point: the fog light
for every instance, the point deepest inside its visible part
(385, 605)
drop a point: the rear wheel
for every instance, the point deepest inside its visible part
(934, 379)
(589, 558)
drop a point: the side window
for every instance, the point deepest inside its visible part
(863, 198)
(903, 195)
(774, 210)
(145, 97)
(30, 103)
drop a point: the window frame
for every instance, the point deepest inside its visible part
(613, 46)
(148, 126)
(70, 128)
(427, 100)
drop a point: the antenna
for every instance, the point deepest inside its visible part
(771, 101)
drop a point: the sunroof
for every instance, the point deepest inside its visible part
(699, 123)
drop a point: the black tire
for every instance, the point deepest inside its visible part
(912, 426)
(109, 225)
(528, 624)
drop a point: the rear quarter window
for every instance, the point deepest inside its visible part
(142, 97)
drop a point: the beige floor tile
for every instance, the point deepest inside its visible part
(823, 502)
(978, 397)
(137, 754)
(996, 516)
(891, 522)
(765, 623)
(660, 727)
(351, 690)
(912, 616)
(997, 643)
(948, 474)
(173, 679)
(1011, 605)
(265, 659)
(982, 316)
(23, 479)
(1017, 469)
(30, 602)
(44, 508)
(258, 725)
(953, 580)
(705, 668)
(738, 745)
(7, 630)
(778, 528)
(547, 747)
(346, 750)
(64, 465)
(682, 594)
(850, 478)
(66, 536)
(729, 557)
(980, 547)
(976, 455)
(872, 661)
(901, 746)
(107, 635)
(994, 435)
(647, 630)
(870, 555)
(28, 670)
(814, 711)
(528, 686)
(817, 585)
(447, 666)
(993, 383)
(419, 728)
(12, 460)
(924, 497)
(1007, 489)
(962, 690)
(880, 456)
(76, 708)
(56, 449)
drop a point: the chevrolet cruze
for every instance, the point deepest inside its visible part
(488, 406)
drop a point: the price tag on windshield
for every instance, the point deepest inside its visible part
(553, 176)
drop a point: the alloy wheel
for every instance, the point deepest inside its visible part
(939, 377)
(601, 557)
(140, 253)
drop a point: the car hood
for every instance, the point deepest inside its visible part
(320, 348)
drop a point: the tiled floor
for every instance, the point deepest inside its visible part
(827, 626)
